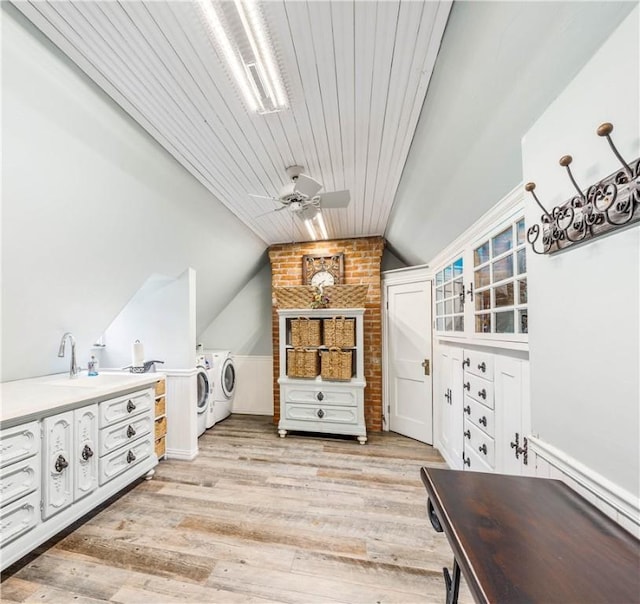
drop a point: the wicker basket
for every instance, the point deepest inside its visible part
(336, 365)
(302, 363)
(305, 332)
(339, 332)
(346, 296)
(296, 296)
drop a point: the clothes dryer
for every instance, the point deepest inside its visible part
(224, 386)
(205, 390)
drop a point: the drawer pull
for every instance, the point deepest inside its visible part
(483, 449)
(482, 367)
(467, 409)
(86, 452)
(466, 362)
(466, 461)
(131, 431)
(467, 434)
(482, 394)
(61, 463)
(467, 386)
(483, 421)
(320, 396)
(130, 406)
(130, 457)
(320, 413)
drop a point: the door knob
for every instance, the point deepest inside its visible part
(86, 452)
(467, 386)
(320, 413)
(466, 362)
(131, 431)
(483, 448)
(320, 396)
(130, 457)
(482, 394)
(427, 366)
(466, 461)
(130, 406)
(467, 434)
(482, 367)
(467, 409)
(483, 421)
(61, 463)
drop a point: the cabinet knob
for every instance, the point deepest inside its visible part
(61, 463)
(466, 461)
(131, 431)
(483, 421)
(482, 394)
(320, 413)
(320, 396)
(130, 406)
(467, 409)
(482, 367)
(86, 452)
(467, 386)
(467, 434)
(466, 362)
(130, 457)
(483, 448)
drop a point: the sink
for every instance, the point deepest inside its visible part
(85, 381)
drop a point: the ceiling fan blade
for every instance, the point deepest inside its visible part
(307, 186)
(335, 199)
(271, 211)
(264, 197)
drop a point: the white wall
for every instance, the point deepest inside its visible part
(585, 320)
(91, 207)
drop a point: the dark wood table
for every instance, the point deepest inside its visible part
(520, 539)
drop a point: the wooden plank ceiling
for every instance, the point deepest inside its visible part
(356, 74)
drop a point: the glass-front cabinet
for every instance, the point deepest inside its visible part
(482, 291)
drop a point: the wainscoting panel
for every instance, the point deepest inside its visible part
(620, 505)
(254, 386)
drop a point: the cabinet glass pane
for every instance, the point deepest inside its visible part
(439, 324)
(503, 242)
(457, 305)
(524, 321)
(481, 254)
(522, 261)
(504, 322)
(483, 300)
(522, 291)
(458, 323)
(503, 269)
(483, 323)
(520, 231)
(457, 267)
(448, 307)
(458, 287)
(439, 277)
(448, 290)
(482, 277)
(440, 309)
(504, 295)
(447, 273)
(439, 293)
(448, 324)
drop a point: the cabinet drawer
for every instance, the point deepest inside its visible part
(478, 363)
(321, 414)
(116, 409)
(19, 479)
(478, 388)
(318, 395)
(160, 387)
(475, 462)
(114, 437)
(19, 517)
(480, 444)
(161, 406)
(19, 442)
(160, 427)
(480, 416)
(121, 460)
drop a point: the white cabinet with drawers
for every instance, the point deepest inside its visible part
(322, 405)
(60, 461)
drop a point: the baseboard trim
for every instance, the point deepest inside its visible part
(182, 454)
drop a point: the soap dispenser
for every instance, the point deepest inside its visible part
(92, 366)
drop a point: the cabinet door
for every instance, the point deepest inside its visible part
(86, 453)
(449, 396)
(58, 463)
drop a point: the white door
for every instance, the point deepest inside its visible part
(449, 398)
(409, 360)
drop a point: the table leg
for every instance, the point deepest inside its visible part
(452, 583)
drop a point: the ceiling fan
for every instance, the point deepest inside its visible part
(302, 195)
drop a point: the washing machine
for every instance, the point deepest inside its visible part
(204, 382)
(224, 386)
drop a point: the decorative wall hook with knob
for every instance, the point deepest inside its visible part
(601, 208)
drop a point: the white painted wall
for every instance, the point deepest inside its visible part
(91, 207)
(162, 316)
(585, 321)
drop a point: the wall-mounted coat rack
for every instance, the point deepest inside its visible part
(605, 206)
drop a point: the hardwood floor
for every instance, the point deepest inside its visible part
(255, 518)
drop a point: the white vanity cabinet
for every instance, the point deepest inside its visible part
(20, 480)
(317, 404)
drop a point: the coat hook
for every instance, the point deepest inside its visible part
(565, 162)
(605, 130)
(529, 187)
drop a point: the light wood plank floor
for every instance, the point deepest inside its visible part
(255, 518)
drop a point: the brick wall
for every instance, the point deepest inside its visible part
(362, 258)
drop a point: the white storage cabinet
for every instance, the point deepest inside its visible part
(317, 405)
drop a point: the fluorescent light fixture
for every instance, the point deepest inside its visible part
(310, 229)
(253, 67)
(321, 225)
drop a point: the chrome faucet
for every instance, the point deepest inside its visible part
(74, 370)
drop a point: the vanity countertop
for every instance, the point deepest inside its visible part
(23, 400)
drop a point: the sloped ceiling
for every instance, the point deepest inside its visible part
(356, 75)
